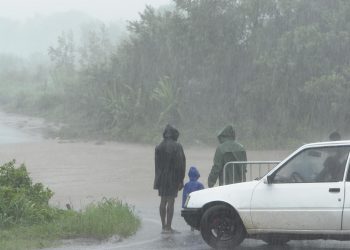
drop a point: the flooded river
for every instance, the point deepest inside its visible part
(80, 173)
(19, 129)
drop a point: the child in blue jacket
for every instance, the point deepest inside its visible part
(192, 185)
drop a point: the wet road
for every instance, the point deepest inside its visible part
(150, 238)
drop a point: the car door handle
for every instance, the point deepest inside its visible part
(334, 190)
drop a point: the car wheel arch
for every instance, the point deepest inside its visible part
(221, 226)
(229, 206)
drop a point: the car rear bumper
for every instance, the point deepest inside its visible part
(192, 216)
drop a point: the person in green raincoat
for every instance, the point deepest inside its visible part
(228, 150)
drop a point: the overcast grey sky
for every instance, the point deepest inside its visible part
(105, 10)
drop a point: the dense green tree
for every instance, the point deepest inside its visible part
(277, 69)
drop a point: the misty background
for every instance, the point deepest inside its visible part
(278, 70)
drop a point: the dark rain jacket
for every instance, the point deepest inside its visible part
(228, 150)
(192, 185)
(170, 164)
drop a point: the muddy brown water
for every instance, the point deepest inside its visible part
(81, 173)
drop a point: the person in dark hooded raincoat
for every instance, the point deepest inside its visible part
(228, 150)
(170, 167)
(335, 136)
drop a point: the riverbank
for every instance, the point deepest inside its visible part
(83, 172)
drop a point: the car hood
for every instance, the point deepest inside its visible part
(237, 195)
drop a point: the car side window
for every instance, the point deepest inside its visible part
(314, 165)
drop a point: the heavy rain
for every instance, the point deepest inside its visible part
(107, 106)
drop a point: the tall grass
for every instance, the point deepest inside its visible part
(99, 221)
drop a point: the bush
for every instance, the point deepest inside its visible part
(22, 202)
(28, 222)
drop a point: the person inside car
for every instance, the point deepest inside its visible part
(334, 167)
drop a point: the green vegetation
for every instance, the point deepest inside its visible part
(27, 221)
(277, 69)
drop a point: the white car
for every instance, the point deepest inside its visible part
(304, 197)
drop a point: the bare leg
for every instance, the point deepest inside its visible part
(162, 211)
(170, 212)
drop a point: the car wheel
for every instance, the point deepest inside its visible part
(275, 241)
(222, 228)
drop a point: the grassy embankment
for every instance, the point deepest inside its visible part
(27, 221)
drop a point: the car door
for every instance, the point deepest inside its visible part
(346, 212)
(301, 194)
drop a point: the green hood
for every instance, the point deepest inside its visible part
(228, 133)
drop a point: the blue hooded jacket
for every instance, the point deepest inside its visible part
(192, 185)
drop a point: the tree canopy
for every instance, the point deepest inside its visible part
(277, 69)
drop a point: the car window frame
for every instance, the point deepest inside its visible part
(346, 175)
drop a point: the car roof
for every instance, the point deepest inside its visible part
(327, 143)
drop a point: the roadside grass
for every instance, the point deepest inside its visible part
(27, 221)
(98, 221)
(101, 220)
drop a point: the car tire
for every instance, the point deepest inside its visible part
(222, 228)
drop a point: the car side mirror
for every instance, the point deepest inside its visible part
(268, 179)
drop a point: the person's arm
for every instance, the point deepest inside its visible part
(216, 168)
(322, 176)
(156, 170)
(244, 168)
(181, 167)
(184, 196)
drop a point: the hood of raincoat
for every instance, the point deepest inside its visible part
(193, 173)
(228, 133)
(171, 133)
(335, 136)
